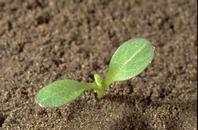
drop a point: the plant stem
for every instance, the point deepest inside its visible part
(99, 85)
(99, 90)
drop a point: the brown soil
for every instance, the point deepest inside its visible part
(42, 41)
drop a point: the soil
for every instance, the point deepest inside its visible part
(42, 41)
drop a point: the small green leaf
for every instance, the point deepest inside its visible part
(59, 93)
(129, 60)
(98, 80)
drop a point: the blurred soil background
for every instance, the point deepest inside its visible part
(42, 41)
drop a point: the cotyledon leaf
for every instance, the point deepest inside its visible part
(60, 92)
(130, 59)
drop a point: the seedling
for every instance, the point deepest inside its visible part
(130, 59)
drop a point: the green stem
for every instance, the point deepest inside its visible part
(99, 90)
(100, 87)
(91, 86)
(105, 84)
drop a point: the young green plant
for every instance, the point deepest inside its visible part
(130, 59)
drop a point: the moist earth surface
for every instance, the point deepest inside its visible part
(42, 41)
